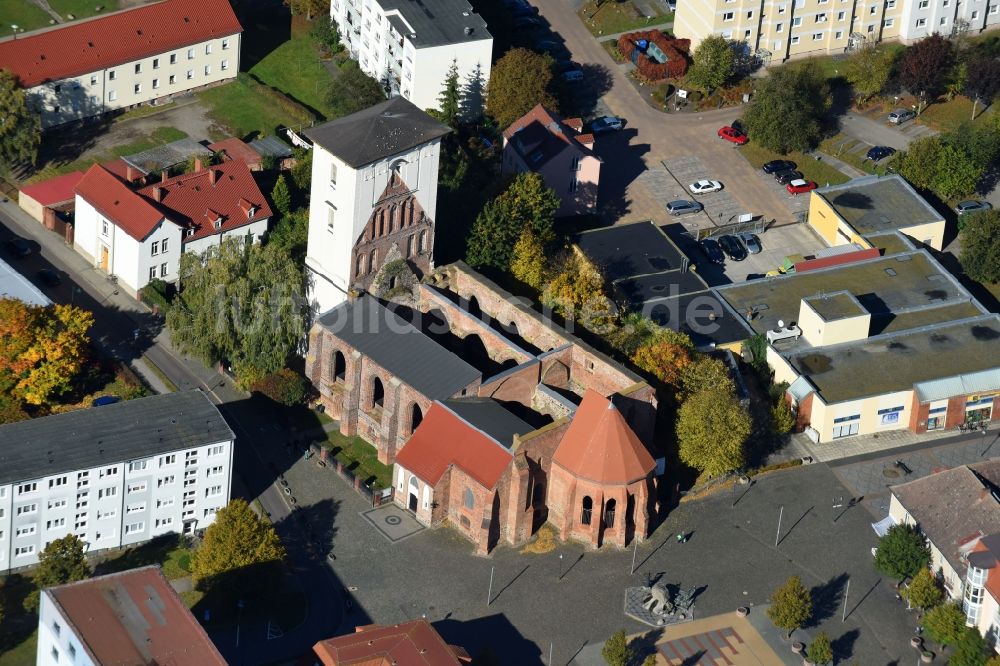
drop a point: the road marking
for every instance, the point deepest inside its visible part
(273, 631)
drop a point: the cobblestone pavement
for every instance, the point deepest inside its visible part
(571, 597)
(878, 444)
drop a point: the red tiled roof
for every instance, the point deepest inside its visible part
(112, 198)
(600, 446)
(837, 260)
(413, 643)
(134, 617)
(89, 46)
(543, 134)
(443, 439)
(123, 170)
(54, 190)
(194, 202)
(236, 149)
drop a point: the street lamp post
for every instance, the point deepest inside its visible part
(14, 27)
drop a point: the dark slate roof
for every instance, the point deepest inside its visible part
(386, 129)
(110, 434)
(490, 417)
(271, 145)
(437, 22)
(629, 250)
(399, 347)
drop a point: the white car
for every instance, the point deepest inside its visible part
(705, 186)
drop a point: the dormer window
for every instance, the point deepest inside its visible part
(251, 212)
(218, 223)
(189, 233)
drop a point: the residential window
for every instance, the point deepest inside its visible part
(163, 522)
(168, 459)
(750, 14)
(54, 523)
(137, 487)
(58, 481)
(746, 34)
(156, 63)
(214, 471)
(156, 84)
(173, 58)
(165, 481)
(781, 9)
(107, 514)
(163, 246)
(817, 36)
(138, 68)
(225, 44)
(24, 530)
(164, 502)
(21, 551)
(469, 500)
(111, 75)
(839, 34)
(53, 504)
(873, 9)
(213, 491)
(208, 70)
(330, 217)
(574, 184)
(779, 27)
(26, 488)
(93, 80)
(135, 508)
(921, 22)
(891, 4)
(211, 511)
(190, 54)
(107, 492)
(575, 164)
(152, 272)
(795, 40)
(132, 528)
(104, 227)
(154, 249)
(72, 651)
(137, 88)
(215, 450)
(820, 18)
(975, 14)
(994, 9)
(888, 22)
(112, 95)
(163, 270)
(871, 28)
(943, 20)
(56, 628)
(840, 16)
(797, 21)
(922, 4)
(225, 65)
(728, 16)
(208, 49)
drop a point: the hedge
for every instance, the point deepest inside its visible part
(675, 49)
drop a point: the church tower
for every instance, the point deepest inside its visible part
(374, 197)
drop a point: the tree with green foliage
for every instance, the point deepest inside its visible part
(945, 624)
(20, 125)
(666, 355)
(970, 650)
(782, 419)
(290, 236)
(280, 195)
(756, 348)
(820, 651)
(240, 302)
(902, 552)
(631, 332)
(705, 372)
(325, 35)
(982, 80)
(449, 101)
(527, 202)
(868, 70)
(474, 95)
(993, 661)
(712, 429)
(307, 8)
(924, 591)
(788, 107)
(301, 171)
(578, 292)
(953, 163)
(791, 605)
(616, 650)
(352, 90)
(519, 80)
(237, 539)
(528, 262)
(650, 660)
(714, 63)
(62, 561)
(980, 236)
(925, 65)
(285, 387)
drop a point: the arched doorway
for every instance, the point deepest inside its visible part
(339, 366)
(416, 416)
(414, 495)
(588, 509)
(378, 393)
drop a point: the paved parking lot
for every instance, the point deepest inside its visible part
(798, 204)
(671, 183)
(776, 243)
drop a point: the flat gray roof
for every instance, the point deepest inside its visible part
(873, 204)
(110, 434)
(167, 155)
(386, 129)
(437, 22)
(836, 305)
(399, 347)
(628, 250)
(15, 285)
(490, 417)
(895, 362)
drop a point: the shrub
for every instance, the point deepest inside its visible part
(285, 386)
(158, 293)
(675, 49)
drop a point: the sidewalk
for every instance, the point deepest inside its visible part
(871, 445)
(842, 167)
(655, 26)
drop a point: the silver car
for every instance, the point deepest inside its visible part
(683, 207)
(900, 116)
(751, 242)
(972, 206)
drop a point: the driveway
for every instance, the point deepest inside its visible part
(652, 137)
(881, 133)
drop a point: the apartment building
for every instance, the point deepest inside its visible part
(410, 45)
(777, 30)
(129, 617)
(137, 56)
(114, 475)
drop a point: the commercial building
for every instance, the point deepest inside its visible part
(560, 153)
(413, 643)
(130, 617)
(114, 475)
(139, 235)
(410, 45)
(137, 56)
(776, 30)
(374, 194)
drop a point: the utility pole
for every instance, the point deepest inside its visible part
(489, 594)
(778, 534)
(634, 551)
(843, 616)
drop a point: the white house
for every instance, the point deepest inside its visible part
(138, 235)
(374, 197)
(142, 55)
(114, 475)
(129, 617)
(410, 44)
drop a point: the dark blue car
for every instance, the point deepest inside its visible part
(876, 153)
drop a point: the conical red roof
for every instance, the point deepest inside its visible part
(600, 446)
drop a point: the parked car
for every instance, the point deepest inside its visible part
(18, 246)
(705, 186)
(49, 277)
(972, 206)
(751, 242)
(774, 166)
(606, 124)
(548, 46)
(800, 186)
(105, 400)
(712, 251)
(733, 248)
(785, 177)
(900, 116)
(732, 135)
(521, 11)
(876, 153)
(573, 75)
(683, 207)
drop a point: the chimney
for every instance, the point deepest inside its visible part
(213, 175)
(157, 194)
(164, 175)
(131, 173)
(197, 164)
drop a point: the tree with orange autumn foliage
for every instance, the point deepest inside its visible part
(41, 349)
(665, 356)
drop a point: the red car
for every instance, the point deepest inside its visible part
(800, 186)
(732, 134)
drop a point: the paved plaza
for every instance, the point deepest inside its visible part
(394, 523)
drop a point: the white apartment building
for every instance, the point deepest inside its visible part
(114, 475)
(139, 235)
(777, 30)
(374, 197)
(137, 56)
(411, 44)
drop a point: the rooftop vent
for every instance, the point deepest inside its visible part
(890, 272)
(468, 30)
(90, 44)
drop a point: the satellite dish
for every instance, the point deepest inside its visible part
(781, 324)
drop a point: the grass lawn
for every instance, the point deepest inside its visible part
(946, 116)
(167, 551)
(840, 146)
(818, 171)
(614, 17)
(23, 14)
(158, 137)
(240, 108)
(294, 69)
(360, 457)
(22, 654)
(82, 8)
